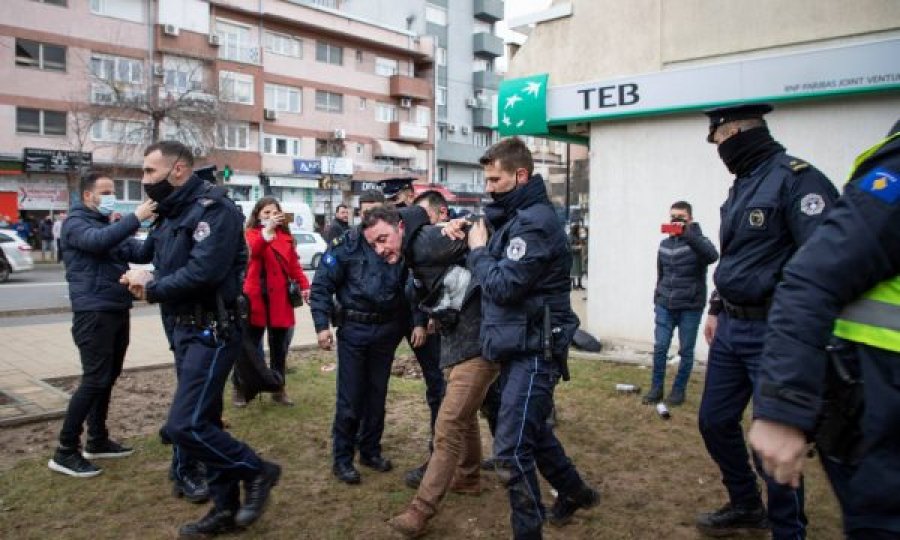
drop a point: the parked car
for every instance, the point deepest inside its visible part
(310, 247)
(15, 254)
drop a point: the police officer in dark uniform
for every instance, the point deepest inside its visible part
(842, 288)
(369, 293)
(527, 326)
(773, 206)
(199, 255)
(426, 347)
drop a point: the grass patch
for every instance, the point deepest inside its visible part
(654, 475)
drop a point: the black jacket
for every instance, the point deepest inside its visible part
(681, 270)
(96, 253)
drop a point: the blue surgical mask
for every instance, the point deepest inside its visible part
(107, 204)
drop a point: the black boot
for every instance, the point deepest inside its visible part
(676, 397)
(192, 485)
(414, 477)
(213, 523)
(733, 519)
(346, 473)
(566, 505)
(655, 395)
(257, 494)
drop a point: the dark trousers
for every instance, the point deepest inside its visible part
(730, 380)
(365, 353)
(278, 345)
(202, 363)
(868, 491)
(429, 358)
(525, 442)
(102, 339)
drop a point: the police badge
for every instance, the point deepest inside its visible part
(202, 231)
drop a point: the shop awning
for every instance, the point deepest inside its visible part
(421, 188)
(394, 150)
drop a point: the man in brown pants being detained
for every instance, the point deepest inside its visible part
(445, 290)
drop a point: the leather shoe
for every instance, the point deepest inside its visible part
(257, 493)
(213, 523)
(377, 463)
(730, 520)
(346, 473)
(566, 505)
(414, 477)
(410, 523)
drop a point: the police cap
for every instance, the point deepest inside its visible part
(746, 111)
(392, 186)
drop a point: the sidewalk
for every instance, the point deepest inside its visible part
(35, 353)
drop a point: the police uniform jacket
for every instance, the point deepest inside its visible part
(96, 253)
(681, 263)
(856, 247)
(769, 213)
(199, 250)
(354, 275)
(524, 267)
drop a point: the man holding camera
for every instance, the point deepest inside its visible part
(679, 298)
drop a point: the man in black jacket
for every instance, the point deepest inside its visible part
(339, 225)
(679, 298)
(96, 253)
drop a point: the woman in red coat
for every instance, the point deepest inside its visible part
(272, 262)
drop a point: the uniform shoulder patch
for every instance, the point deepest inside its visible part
(516, 249)
(201, 232)
(798, 165)
(882, 184)
(812, 204)
(337, 241)
(328, 259)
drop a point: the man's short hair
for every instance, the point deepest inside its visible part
(342, 205)
(371, 196)
(172, 149)
(89, 179)
(683, 205)
(433, 198)
(512, 153)
(388, 214)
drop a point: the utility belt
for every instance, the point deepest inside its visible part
(205, 319)
(839, 434)
(222, 321)
(749, 312)
(364, 317)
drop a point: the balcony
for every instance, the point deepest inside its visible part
(486, 79)
(238, 53)
(407, 131)
(489, 10)
(411, 87)
(482, 117)
(487, 45)
(454, 152)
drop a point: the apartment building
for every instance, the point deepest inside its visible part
(288, 97)
(467, 47)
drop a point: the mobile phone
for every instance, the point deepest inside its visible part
(674, 228)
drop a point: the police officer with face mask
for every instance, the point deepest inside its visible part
(199, 255)
(773, 206)
(96, 252)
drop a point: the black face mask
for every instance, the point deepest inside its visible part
(743, 151)
(160, 190)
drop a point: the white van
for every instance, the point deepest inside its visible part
(297, 214)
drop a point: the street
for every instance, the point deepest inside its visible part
(44, 290)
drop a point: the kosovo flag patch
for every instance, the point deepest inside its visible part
(883, 184)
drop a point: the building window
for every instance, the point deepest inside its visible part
(329, 102)
(478, 179)
(284, 45)
(130, 10)
(236, 87)
(234, 136)
(331, 4)
(235, 43)
(481, 138)
(117, 131)
(182, 75)
(323, 147)
(40, 122)
(423, 116)
(359, 56)
(129, 190)
(282, 98)
(40, 55)
(481, 27)
(441, 98)
(481, 64)
(362, 103)
(385, 112)
(442, 174)
(442, 132)
(281, 146)
(441, 55)
(329, 54)
(117, 68)
(61, 3)
(435, 15)
(359, 148)
(386, 66)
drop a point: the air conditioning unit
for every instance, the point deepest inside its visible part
(270, 114)
(406, 102)
(464, 130)
(471, 102)
(198, 151)
(340, 134)
(158, 70)
(215, 40)
(451, 128)
(170, 30)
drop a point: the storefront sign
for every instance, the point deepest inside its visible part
(293, 182)
(310, 167)
(43, 195)
(56, 161)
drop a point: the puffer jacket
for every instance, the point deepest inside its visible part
(681, 270)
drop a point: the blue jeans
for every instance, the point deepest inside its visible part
(687, 322)
(524, 442)
(730, 380)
